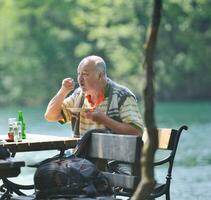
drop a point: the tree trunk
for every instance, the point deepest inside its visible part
(147, 170)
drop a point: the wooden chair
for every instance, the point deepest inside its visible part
(168, 139)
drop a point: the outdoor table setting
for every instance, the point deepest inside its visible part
(10, 167)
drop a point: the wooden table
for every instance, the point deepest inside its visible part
(34, 142)
(39, 142)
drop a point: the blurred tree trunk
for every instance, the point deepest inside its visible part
(147, 170)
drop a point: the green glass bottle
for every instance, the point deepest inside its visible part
(23, 130)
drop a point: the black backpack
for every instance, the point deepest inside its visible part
(70, 176)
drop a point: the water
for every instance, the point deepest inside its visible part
(192, 170)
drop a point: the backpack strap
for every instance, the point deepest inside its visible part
(76, 117)
(82, 146)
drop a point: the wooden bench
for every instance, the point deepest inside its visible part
(126, 148)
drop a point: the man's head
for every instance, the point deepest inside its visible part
(92, 74)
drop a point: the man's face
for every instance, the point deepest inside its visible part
(88, 78)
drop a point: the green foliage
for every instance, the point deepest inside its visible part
(183, 50)
(42, 42)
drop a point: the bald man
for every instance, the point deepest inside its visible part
(102, 103)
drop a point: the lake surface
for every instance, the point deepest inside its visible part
(192, 171)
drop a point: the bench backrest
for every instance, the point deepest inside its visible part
(114, 146)
(125, 148)
(166, 138)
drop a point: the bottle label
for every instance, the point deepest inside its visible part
(19, 127)
(11, 121)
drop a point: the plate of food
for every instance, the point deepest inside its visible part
(77, 110)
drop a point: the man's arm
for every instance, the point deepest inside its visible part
(118, 127)
(121, 127)
(53, 111)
